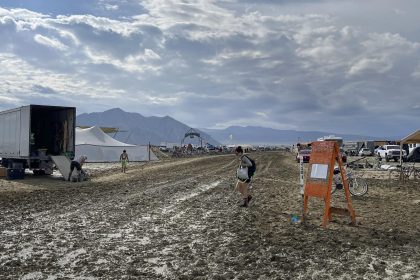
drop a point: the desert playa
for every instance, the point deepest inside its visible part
(180, 219)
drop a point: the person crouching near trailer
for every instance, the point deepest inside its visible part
(78, 165)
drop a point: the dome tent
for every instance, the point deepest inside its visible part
(100, 147)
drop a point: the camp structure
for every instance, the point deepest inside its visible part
(414, 155)
(413, 138)
(100, 147)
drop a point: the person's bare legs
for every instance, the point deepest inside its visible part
(243, 190)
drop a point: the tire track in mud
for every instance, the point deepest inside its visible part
(183, 222)
(105, 233)
(147, 188)
(151, 188)
(265, 167)
(206, 173)
(168, 222)
(165, 224)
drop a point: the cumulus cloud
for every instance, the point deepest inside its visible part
(50, 42)
(111, 7)
(281, 64)
(372, 64)
(22, 81)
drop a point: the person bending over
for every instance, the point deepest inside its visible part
(77, 164)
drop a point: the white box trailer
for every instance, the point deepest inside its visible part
(31, 135)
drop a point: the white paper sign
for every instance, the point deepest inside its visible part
(319, 171)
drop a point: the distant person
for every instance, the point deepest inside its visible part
(124, 161)
(242, 185)
(78, 165)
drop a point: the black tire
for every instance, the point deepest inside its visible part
(38, 172)
(358, 186)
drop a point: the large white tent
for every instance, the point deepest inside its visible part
(100, 147)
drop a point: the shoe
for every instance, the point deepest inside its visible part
(245, 204)
(249, 198)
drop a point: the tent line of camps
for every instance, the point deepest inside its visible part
(98, 146)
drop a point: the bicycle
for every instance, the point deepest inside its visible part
(410, 170)
(357, 185)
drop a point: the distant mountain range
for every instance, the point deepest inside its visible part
(137, 129)
(267, 136)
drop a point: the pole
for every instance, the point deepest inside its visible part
(302, 190)
(301, 175)
(149, 151)
(401, 167)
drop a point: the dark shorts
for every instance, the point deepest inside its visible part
(246, 181)
(75, 164)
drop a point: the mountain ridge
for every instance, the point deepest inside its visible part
(262, 135)
(135, 128)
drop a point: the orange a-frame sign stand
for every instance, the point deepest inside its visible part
(324, 154)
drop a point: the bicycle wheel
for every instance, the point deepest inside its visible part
(358, 186)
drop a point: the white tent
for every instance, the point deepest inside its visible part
(100, 147)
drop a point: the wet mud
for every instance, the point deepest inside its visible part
(180, 219)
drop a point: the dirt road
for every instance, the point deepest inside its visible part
(179, 219)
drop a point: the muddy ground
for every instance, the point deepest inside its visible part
(180, 219)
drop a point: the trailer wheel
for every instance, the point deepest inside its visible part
(38, 172)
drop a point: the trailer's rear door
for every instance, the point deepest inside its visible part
(10, 133)
(63, 164)
(25, 130)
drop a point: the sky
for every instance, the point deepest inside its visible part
(341, 66)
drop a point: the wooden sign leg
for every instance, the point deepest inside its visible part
(305, 204)
(349, 205)
(327, 213)
(347, 191)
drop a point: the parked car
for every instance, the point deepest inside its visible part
(163, 149)
(305, 154)
(365, 152)
(392, 152)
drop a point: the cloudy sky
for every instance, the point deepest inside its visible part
(343, 66)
